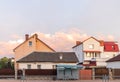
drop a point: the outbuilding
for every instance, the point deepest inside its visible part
(66, 72)
(113, 65)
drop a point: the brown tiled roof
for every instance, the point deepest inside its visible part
(68, 57)
(116, 58)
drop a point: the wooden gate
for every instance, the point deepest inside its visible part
(85, 74)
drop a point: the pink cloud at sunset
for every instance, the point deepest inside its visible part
(59, 41)
(6, 48)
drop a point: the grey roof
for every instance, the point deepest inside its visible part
(116, 58)
(68, 57)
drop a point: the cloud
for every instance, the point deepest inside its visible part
(59, 41)
(62, 41)
(6, 48)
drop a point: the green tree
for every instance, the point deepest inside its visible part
(4, 62)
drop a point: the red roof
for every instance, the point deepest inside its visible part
(111, 47)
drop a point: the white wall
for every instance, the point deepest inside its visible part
(91, 41)
(113, 65)
(44, 65)
(109, 55)
(79, 52)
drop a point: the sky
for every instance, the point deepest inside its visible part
(57, 21)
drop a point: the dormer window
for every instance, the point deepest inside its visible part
(30, 43)
(113, 47)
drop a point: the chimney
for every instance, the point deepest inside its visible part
(36, 36)
(78, 42)
(26, 37)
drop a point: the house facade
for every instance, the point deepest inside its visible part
(93, 52)
(31, 44)
(63, 63)
(47, 60)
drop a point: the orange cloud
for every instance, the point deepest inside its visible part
(60, 41)
(6, 48)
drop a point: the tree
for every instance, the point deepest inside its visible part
(6, 63)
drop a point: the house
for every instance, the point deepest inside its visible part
(92, 53)
(31, 44)
(50, 61)
(47, 60)
(113, 65)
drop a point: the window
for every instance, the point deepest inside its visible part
(28, 66)
(113, 47)
(88, 55)
(38, 66)
(97, 55)
(30, 43)
(54, 66)
(91, 46)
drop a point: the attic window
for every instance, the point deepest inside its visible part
(30, 43)
(91, 46)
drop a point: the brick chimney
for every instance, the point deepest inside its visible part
(78, 42)
(26, 36)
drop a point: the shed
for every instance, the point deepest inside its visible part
(66, 72)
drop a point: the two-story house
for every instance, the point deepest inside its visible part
(31, 44)
(93, 52)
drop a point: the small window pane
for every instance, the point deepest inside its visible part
(29, 66)
(38, 66)
(30, 43)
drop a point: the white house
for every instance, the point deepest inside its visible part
(47, 60)
(93, 54)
